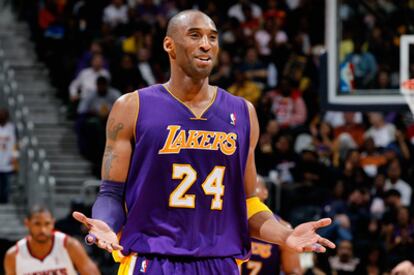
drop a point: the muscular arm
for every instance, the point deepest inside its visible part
(290, 258)
(119, 137)
(80, 258)
(262, 225)
(10, 261)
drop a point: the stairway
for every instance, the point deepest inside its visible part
(54, 132)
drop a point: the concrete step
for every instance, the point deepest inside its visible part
(75, 173)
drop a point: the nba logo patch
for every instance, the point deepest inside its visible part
(144, 266)
(233, 119)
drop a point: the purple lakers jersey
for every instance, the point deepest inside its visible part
(264, 260)
(185, 189)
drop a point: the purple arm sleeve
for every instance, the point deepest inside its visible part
(108, 206)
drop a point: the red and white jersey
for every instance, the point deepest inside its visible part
(57, 262)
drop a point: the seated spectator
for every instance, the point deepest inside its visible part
(236, 10)
(344, 262)
(285, 160)
(222, 73)
(288, 106)
(337, 119)
(394, 181)
(86, 59)
(322, 139)
(352, 173)
(147, 11)
(127, 77)
(268, 37)
(352, 128)
(85, 82)
(8, 154)
(251, 23)
(399, 238)
(93, 112)
(254, 69)
(115, 14)
(265, 152)
(383, 133)
(144, 66)
(245, 88)
(371, 158)
(137, 40)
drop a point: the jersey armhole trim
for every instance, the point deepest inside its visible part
(136, 117)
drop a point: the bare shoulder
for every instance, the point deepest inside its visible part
(127, 101)
(12, 252)
(72, 243)
(10, 260)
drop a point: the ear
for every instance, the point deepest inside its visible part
(169, 46)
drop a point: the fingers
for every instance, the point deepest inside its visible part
(108, 246)
(322, 223)
(326, 242)
(81, 218)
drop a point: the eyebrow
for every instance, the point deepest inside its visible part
(199, 29)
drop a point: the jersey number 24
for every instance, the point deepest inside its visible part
(212, 186)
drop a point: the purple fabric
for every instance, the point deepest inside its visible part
(154, 265)
(153, 226)
(108, 206)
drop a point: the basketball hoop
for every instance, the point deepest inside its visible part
(407, 89)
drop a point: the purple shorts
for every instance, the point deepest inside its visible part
(161, 265)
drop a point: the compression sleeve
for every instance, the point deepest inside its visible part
(108, 206)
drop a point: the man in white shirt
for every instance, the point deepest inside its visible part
(237, 11)
(395, 182)
(8, 154)
(45, 251)
(115, 13)
(85, 82)
(382, 133)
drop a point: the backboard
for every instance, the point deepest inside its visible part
(361, 32)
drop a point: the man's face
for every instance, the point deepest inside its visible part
(196, 45)
(40, 226)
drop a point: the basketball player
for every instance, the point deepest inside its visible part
(45, 251)
(178, 171)
(269, 258)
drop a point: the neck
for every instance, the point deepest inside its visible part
(39, 250)
(189, 89)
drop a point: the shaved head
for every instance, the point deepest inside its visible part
(182, 19)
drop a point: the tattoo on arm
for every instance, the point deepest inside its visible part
(113, 129)
(109, 156)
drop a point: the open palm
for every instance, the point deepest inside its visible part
(99, 233)
(304, 237)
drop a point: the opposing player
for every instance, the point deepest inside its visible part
(270, 258)
(45, 251)
(178, 167)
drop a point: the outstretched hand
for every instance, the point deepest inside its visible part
(99, 233)
(305, 239)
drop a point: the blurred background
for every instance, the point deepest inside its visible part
(63, 63)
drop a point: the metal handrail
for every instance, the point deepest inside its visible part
(34, 169)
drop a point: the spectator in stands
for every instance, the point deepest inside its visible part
(222, 73)
(138, 39)
(344, 262)
(244, 87)
(352, 128)
(236, 10)
(93, 112)
(8, 154)
(288, 106)
(115, 14)
(383, 133)
(254, 69)
(145, 66)
(269, 37)
(371, 157)
(127, 77)
(85, 82)
(394, 181)
(86, 59)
